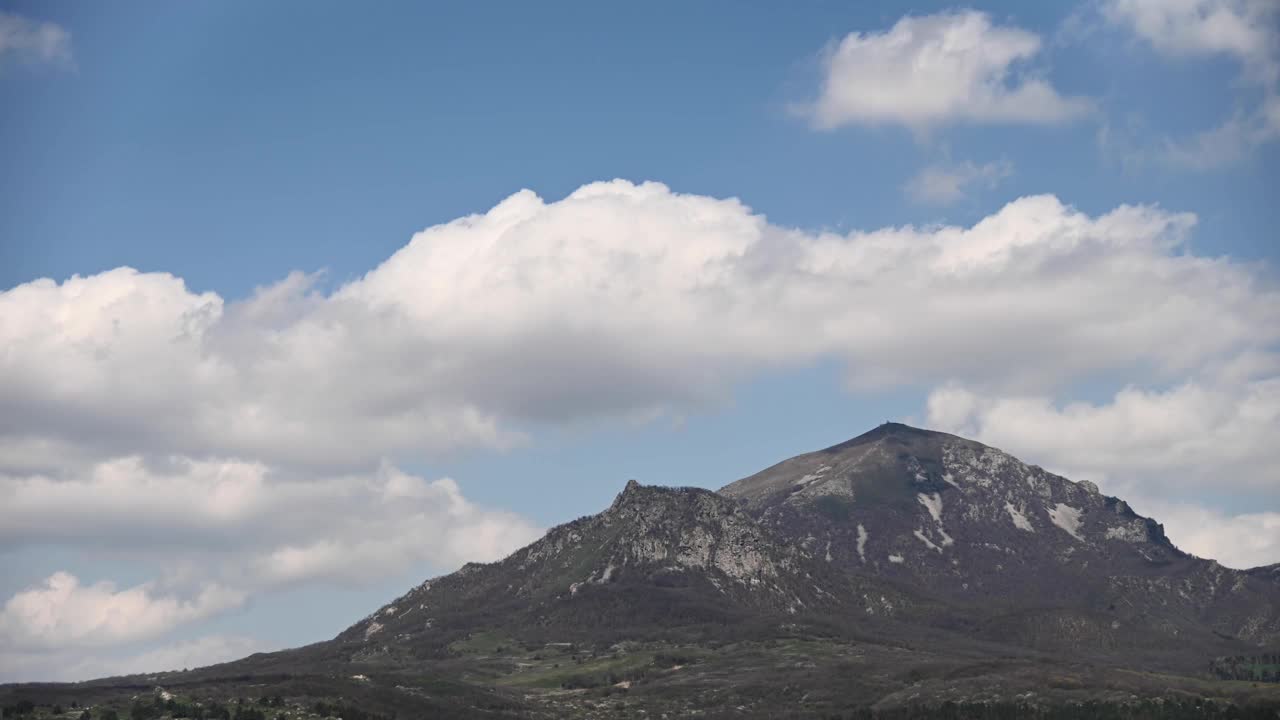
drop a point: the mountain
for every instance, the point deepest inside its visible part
(902, 569)
(1016, 553)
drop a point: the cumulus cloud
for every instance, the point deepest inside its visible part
(252, 526)
(1246, 30)
(945, 184)
(418, 521)
(136, 361)
(935, 70)
(224, 531)
(34, 41)
(1192, 434)
(1242, 541)
(618, 300)
(61, 613)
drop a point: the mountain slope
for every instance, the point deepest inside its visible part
(658, 559)
(1019, 553)
(900, 568)
(895, 532)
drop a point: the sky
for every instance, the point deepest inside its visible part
(302, 303)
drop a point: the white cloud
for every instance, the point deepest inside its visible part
(1188, 438)
(1241, 28)
(62, 665)
(136, 362)
(223, 531)
(256, 528)
(417, 521)
(945, 184)
(939, 69)
(34, 41)
(200, 652)
(61, 613)
(1244, 540)
(618, 300)
(1246, 30)
(1228, 143)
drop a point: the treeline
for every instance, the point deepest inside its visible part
(24, 708)
(1256, 668)
(158, 708)
(241, 710)
(17, 709)
(1157, 709)
(346, 712)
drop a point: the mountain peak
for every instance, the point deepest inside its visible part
(631, 493)
(952, 513)
(890, 430)
(890, 427)
(892, 462)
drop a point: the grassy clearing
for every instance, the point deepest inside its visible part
(595, 672)
(488, 642)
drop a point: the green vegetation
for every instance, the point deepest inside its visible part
(485, 642)
(344, 711)
(1174, 709)
(795, 676)
(1255, 668)
(834, 507)
(582, 673)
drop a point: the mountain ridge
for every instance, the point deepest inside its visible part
(899, 525)
(930, 567)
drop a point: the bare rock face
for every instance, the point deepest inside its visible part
(693, 529)
(899, 530)
(656, 555)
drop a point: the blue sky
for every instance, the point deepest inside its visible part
(229, 145)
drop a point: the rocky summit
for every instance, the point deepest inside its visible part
(1033, 557)
(902, 573)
